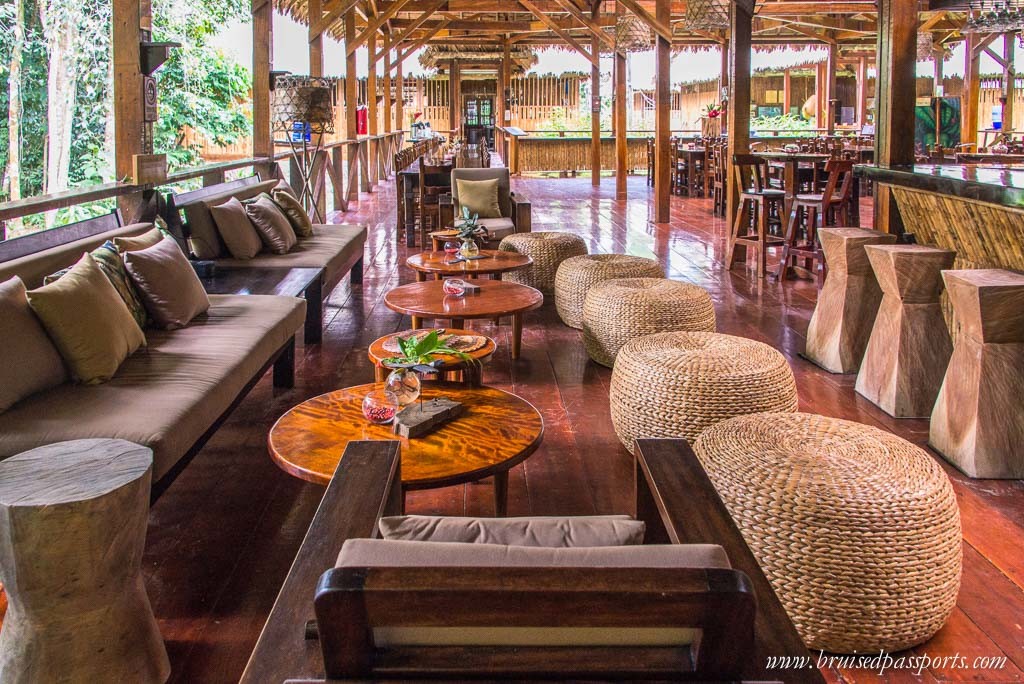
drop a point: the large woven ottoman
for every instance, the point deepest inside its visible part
(548, 250)
(857, 529)
(577, 275)
(678, 384)
(617, 311)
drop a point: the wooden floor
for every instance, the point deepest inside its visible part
(222, 537)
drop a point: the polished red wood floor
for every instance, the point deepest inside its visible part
(222, 537)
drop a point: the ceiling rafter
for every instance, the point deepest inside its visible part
(375, 24)
(528, 4)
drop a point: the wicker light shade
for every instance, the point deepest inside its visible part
(632, 34)
(304, 99)
(707, 14)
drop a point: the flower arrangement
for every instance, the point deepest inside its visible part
(713, 111)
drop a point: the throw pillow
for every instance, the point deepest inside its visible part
(284, 186)
(112, 265)
(550, 532)
(131, 244)
(87, 321)
(295, 213)
(271, 223)
(169, 285)
(236, 229)
(481, 197)
(30, 363)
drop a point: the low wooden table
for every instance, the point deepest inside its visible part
(439, 237)
(471, 370)
(288, 282)
(497, 431)
(495, 300)
(493, 264)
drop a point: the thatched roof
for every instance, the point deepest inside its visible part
(438, 56)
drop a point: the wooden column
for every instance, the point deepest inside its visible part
(971, 90)
(819, 94)
(388, 112)
(787, 91)
(862, 91)
(895, 96)
(128, 117)
(351, 102)
(830, 88)
(399, 92)
(621, 147)
(662, 117)
(316, 39)
(595, 106)
(738, 114)
(373, 165)
(454, 104)
(262, 59)
(1009, 80)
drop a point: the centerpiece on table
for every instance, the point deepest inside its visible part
(711, 121)
(469, 231)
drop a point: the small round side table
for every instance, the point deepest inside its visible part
(470, 370)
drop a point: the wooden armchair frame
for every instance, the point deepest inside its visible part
(673, 496)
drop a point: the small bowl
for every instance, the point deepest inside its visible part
(380, 407)
(456, 287)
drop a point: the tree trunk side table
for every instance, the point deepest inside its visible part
(978, 421)
(841, 323)
(72, 529)
(909, 348)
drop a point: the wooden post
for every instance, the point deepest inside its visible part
(373, 166)
(971, 90)
(399, 92)
(388, 113)
(620, 120)
(819, 94)
(862, 91)
(895, 97)
(262, 58)
(787, 91)
(662, 118)
(830, 88)
(128, 106)
(1009, 80)
(454, 99)
(316, 39)
(595, 106)
(738, 114)
(351, 102)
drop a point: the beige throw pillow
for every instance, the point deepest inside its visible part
(480, 197)
(88, 322)
(295, 213)
(131, 244)
(170, 288)
(29, 362)
(236, 229)
(549, 532)
(271, 223)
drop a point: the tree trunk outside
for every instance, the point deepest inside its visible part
(61, 26)
(13, 173)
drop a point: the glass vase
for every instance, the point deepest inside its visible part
(469, 248)
(404, 384)
(380, 406)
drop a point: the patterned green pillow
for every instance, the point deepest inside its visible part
(110, 263)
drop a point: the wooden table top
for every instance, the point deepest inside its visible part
(495, 262)
(497, 431)
(793, 156)
(496, 298)
(377, 352)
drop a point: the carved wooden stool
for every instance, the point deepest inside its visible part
(909, 348)
(72, 528)
(841, 323)
(978, 421)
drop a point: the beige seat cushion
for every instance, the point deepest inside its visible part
(29, 362)
(170, 288)
(204, 240)
(479, 197)
(548, 532)
(271, 224)
(88, 321)
(330, 247)
(167, 395)
(236, 229)
(498, 228)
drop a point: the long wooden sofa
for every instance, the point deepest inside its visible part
(171, 395)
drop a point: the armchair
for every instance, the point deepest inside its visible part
(515, 209)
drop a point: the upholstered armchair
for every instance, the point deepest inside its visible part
(515, 209)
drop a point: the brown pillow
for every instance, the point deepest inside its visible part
(284, 186)
(480, 197)
(271, 223)
(131, 244)
(549, 532)
(88, 322)
(294, 212)
(29, 362)
(170, 288)
(236, 229)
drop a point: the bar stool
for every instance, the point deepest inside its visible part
(978, 421)
(834, 199)
(909, 347)
(841, 323)
(757, 198)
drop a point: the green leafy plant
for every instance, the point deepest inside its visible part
(423, 351)
(468, 226)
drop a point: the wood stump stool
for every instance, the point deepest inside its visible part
(978, 421)
(72, 529)
(909, 348)
(841, 323)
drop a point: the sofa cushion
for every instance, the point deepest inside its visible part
(330, 248)
(504, 185)
(133, 244)
(167, 395)
(480, 197)
(294, 212)
(112, 265)
(236, 230)
(272, 225)
(548, 532)
(498, 228)
(29, 363)
(203, 238)
(168, 284)
(88, 321)
(286, 187)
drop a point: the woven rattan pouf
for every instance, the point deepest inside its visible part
(617, 311)
(677, 384)
(548, 250)
(577, 275)
(857, 529)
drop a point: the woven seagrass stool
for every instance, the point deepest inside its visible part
(857, 529)
(548, 250)
(617, 311)
(577, 275)
(677, 384)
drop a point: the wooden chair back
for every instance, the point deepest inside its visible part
(839, 185)
(751, 172)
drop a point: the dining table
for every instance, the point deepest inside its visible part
(693, 156)
(791, 162)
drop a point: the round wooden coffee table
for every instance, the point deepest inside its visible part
(495, 300)
(471, 370)
(439, 237)
(497, 431)
(494, 264)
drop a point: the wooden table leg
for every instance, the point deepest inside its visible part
(501, 494)
(421, 277)
(517, 334)
(379, 373)
(496, 275)
(313, 332)
(458, 323)
(417, 322)
(790, 173)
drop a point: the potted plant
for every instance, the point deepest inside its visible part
(468, 231)
(418, 355)
(711, 121)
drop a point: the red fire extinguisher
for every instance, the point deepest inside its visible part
(362, 120)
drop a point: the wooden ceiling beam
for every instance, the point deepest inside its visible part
(375, 23)
(636, 8)
(528, 4)
(423, 41)
(595, 28)
(332, 11)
